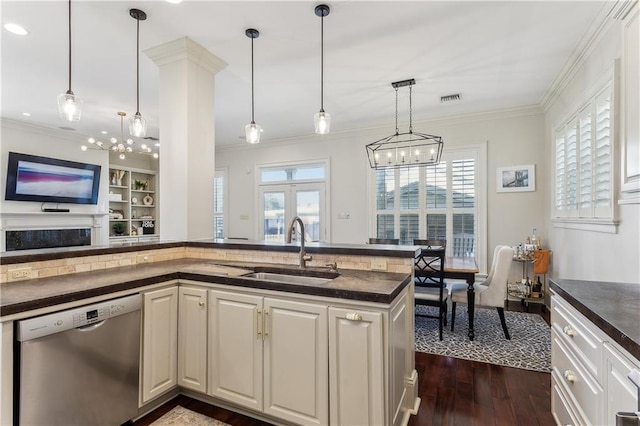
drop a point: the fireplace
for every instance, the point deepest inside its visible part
(39, 230)
(47, 238)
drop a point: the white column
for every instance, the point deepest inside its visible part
(187, 137)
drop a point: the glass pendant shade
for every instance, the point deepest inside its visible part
(322, 121)
(69, 106)
(137, 126)
(252, 132)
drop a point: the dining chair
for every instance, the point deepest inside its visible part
(429, 289)
(430, 243)
(491, 291)
(392, 241)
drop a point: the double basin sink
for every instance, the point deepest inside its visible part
(303, 277)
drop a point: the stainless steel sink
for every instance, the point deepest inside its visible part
(286, 278)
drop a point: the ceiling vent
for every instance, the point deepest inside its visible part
(449, 98)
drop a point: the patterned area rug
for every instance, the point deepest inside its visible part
(180, 416)
(529, 347)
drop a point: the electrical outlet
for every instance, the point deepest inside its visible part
(378, 265)
(20, 274)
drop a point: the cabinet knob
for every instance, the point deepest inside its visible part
(201, 303)
(353, 316)
(568, 331)
(570, 376)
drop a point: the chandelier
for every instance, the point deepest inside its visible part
(407, 148)
(122, 146)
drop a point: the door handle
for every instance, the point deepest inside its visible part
(266, 322)
(259, 323)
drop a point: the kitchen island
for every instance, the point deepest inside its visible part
(358, 322)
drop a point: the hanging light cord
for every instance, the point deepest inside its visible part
(322, 63)
(252, 96)
(138, 67)
(69, 91)
(410, 112)
(397, 131)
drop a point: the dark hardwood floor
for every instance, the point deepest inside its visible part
(452, 391)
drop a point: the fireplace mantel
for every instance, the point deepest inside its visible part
(14, 221)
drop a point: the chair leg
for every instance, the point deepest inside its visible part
(446, 311)
(504, 324)
(440, 324)
(453, 314)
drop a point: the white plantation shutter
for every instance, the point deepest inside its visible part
(602, 156)
(218, 204)
(571, 152)
(463, 183)
(583, 181)
(560, 174)
(586, 169)
(433, 202)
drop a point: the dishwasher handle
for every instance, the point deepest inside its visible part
(90, 327)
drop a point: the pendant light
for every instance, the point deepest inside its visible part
(322, 119)
(69, 105)
(402, 149)
(137, 124)
(252, 130)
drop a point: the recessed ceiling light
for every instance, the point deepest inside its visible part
(104, 132)
(174, 1)
(26, 114)
(15, 29)
(157, 144)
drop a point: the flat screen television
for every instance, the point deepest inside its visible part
(50, 180)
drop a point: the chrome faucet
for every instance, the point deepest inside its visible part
(290, 229)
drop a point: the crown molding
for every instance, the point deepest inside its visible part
(375, 131)
(606, 18)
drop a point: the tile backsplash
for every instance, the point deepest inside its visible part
(48, 268)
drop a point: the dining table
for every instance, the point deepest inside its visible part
(465, 268)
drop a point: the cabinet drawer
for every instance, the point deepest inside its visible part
(574, 330)
(576, 380)
(562, 408)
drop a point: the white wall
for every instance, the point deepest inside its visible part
(513, 138)
(580, 254)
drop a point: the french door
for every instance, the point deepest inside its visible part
(281, 202)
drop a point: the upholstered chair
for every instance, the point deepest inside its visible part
(490, 292)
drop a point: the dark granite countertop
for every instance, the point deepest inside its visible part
(21, 296)
(14, 257)
(613, 307)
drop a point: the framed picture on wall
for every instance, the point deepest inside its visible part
(516, 178)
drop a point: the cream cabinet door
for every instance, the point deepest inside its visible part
(235, 348)
(296, 361)
(621, 393)
(159, 342)
(192, 338)
(356, 367)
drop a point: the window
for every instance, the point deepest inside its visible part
(288, 190)
(435, 202)
(583, 162)
(218, 204)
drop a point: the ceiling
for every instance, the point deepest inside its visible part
(495, 54)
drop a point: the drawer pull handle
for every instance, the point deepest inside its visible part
(568, 330)
(353, 316)
(201, 303)
(570, 376)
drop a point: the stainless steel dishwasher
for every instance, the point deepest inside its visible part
(80, 366)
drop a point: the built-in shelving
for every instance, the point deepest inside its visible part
(132, 201)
